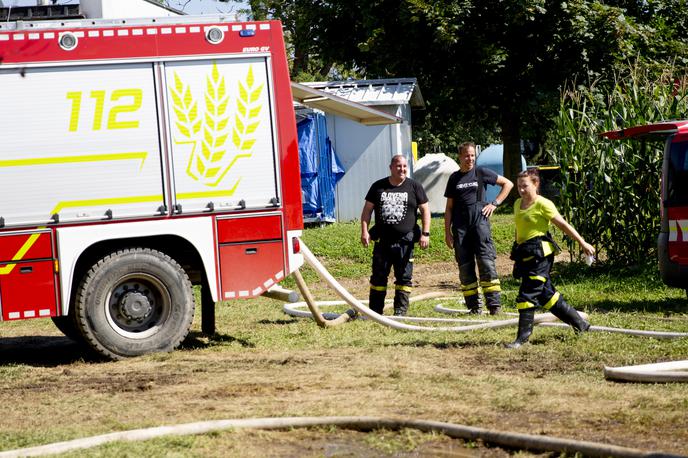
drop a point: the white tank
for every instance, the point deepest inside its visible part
(432, 171)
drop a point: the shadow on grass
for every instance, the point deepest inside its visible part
(280, 322)
(53, 351)
(43, 351)
(445, 345)
(198, 340)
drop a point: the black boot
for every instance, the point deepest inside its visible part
(569, 315)
(525, 327)
(493, 301)
(474, 304)
(376, 301)
(401, 302)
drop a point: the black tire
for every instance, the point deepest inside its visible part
(133, 302)
(67, 325)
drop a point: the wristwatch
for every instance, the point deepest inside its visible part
(495, 203)
(427, 234)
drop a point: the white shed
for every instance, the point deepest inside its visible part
(121, 9)
(36, 10)
(365, 151)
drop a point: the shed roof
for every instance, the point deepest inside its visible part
(396, 91)
(331, 103)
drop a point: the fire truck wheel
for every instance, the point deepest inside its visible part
(133, 302)
(67, 325)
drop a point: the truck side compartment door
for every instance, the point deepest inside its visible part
(251, 255)
(27, 275)
(96, 155)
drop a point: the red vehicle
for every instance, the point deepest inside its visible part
(139, 157)
(673, 236)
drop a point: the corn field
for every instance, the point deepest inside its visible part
(610, 190)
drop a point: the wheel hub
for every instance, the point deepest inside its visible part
(135, 306)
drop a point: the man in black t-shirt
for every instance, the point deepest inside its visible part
(467, 228)
(395, 201)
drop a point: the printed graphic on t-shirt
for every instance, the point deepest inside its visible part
(472, 184)
(393, 206)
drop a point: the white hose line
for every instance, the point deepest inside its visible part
(546, 319)
(363, 310)
(674, 371)
(293, 310)
(448, 310)
(279, 293)
(631, 332)
(468, 433)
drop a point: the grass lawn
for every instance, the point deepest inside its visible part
(264, 363)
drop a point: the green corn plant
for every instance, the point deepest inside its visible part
(610, 190)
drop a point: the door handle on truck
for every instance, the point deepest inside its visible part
(251, 250)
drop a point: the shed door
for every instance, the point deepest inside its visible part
(221, 131)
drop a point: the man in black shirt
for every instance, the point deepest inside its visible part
(395, 201)
(467, 228)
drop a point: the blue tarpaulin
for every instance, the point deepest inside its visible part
(320, 168)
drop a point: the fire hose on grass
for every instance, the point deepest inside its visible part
(661, 372)
(359, 423)
(671, 372)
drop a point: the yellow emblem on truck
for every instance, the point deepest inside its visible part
(210, 158)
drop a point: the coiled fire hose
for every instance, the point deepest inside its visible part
(660, 372)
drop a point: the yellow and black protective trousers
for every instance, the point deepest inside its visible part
(473, 245)
(388, 254)
(533, 263)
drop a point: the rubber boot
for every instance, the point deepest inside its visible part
(474, 304)
(401, 302)
(525, 327)
(569, 315)
(493, 302)
(376, 301)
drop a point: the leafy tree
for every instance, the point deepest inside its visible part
(487, 69)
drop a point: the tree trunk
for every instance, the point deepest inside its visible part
(511, 139)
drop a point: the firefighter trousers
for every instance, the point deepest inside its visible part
(473, 247)
(387, 255)
(537, 290)
(533, 267)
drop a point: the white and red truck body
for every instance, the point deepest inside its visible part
(175, 134)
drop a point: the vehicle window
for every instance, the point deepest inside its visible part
(677, 181)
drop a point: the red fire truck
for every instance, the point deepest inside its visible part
(673, 236)
(139, 157)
